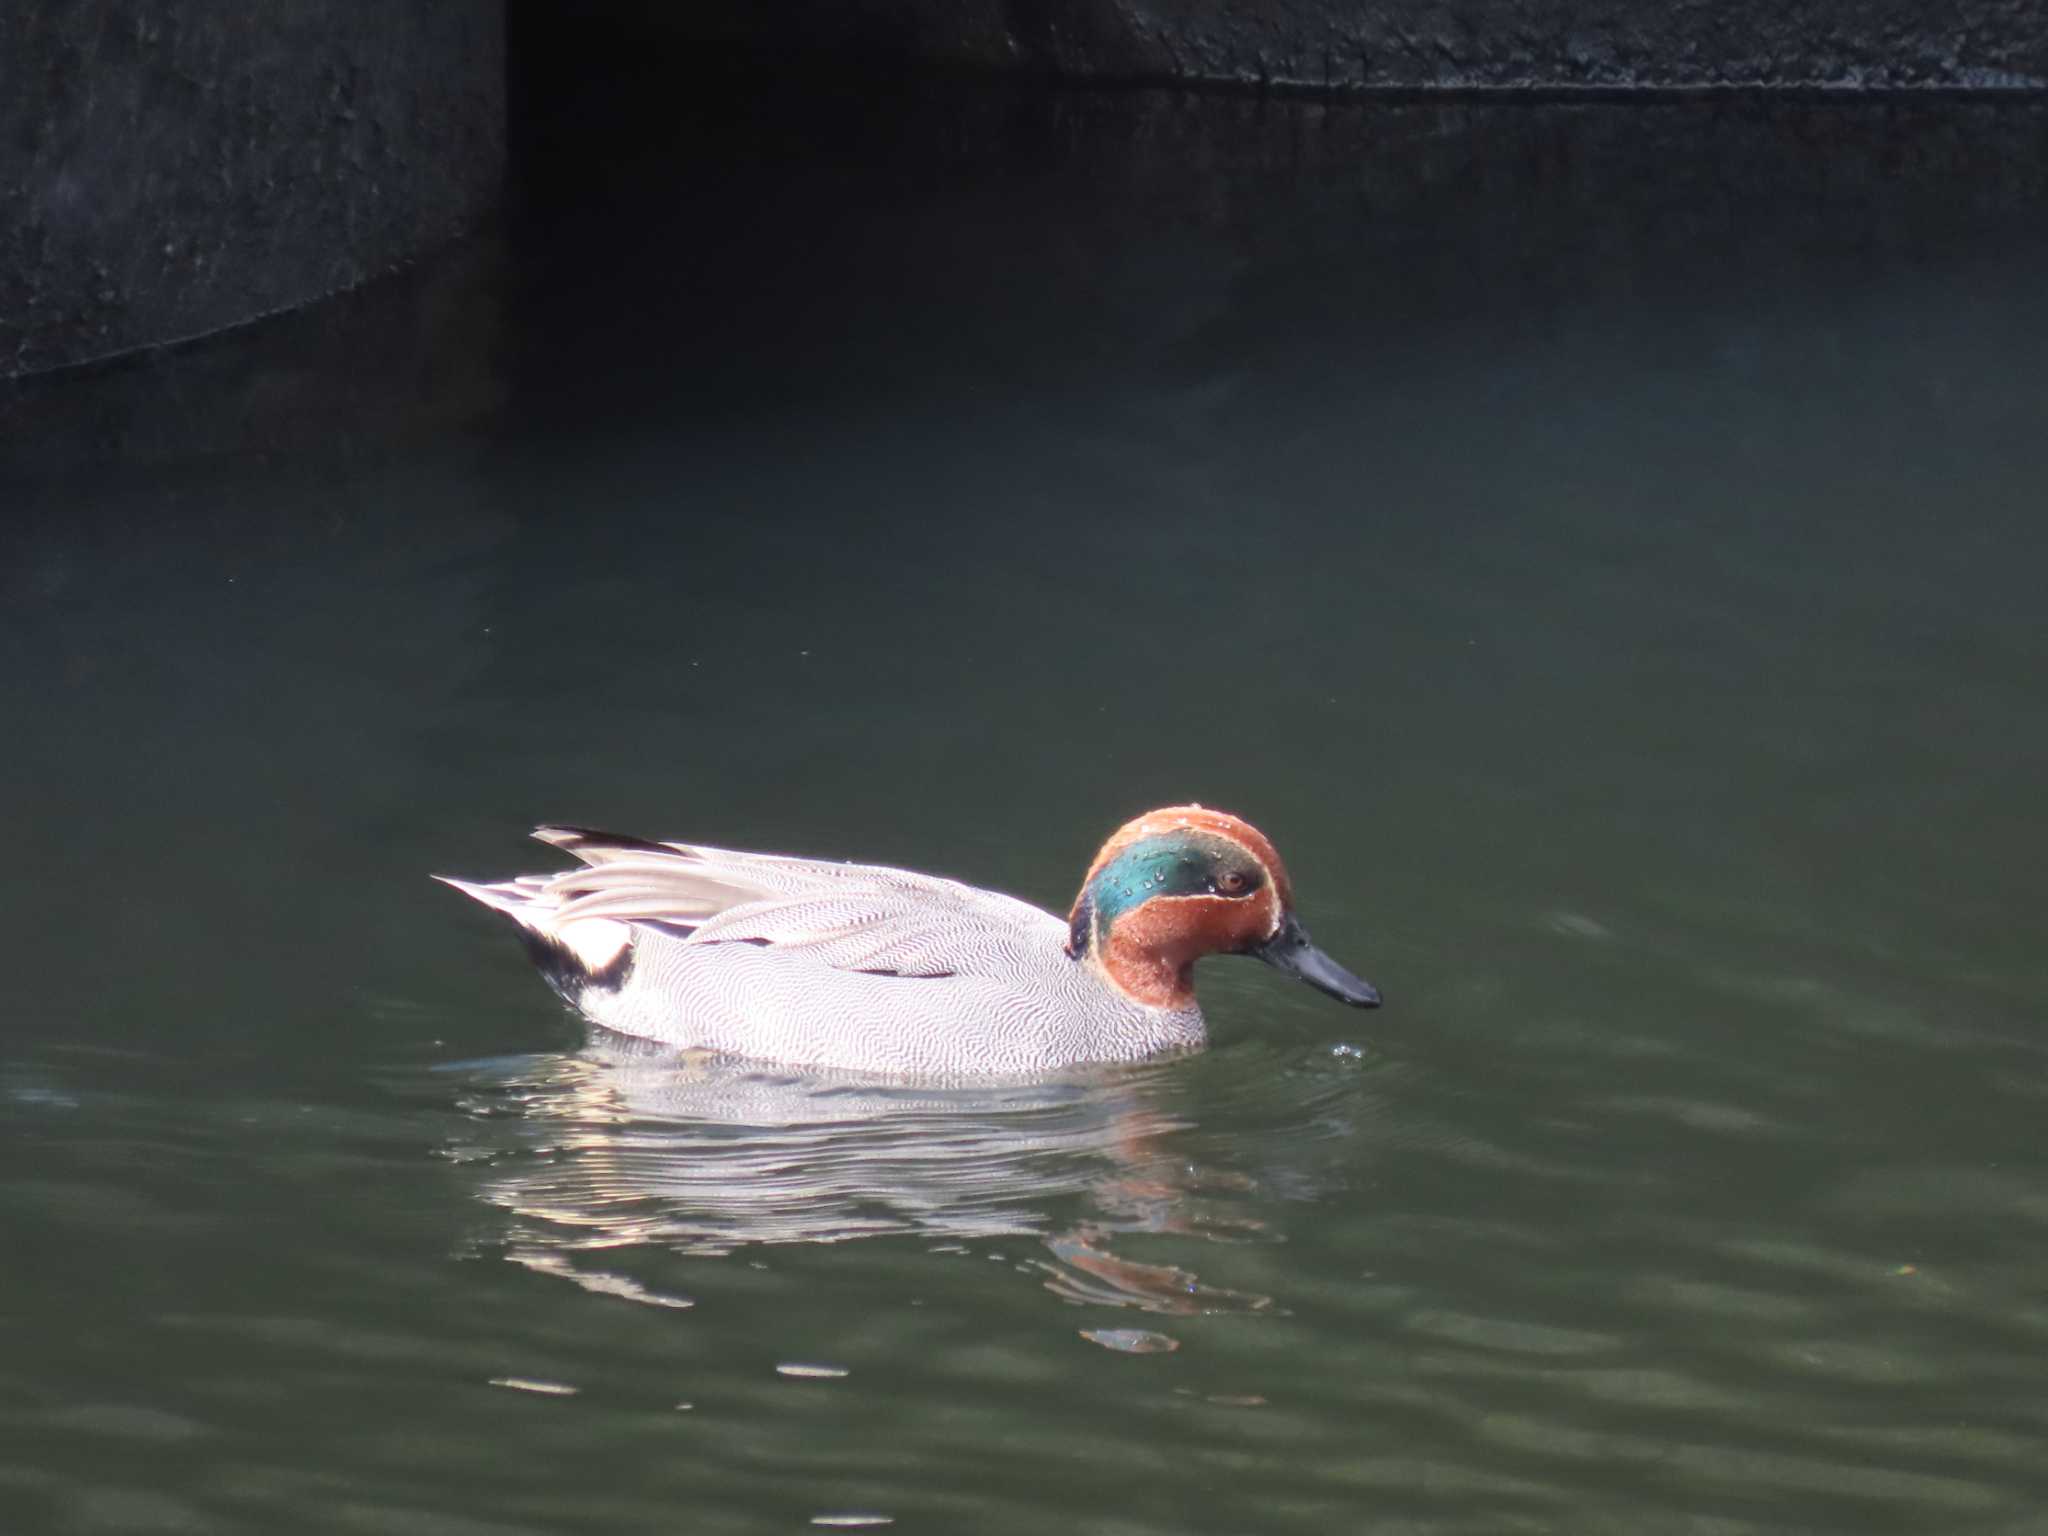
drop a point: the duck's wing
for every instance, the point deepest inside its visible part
(850, 917)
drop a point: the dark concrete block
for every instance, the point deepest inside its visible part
(1557, 44)
(1411, 44)
(168, 169)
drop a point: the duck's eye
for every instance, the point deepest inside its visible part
(1233, 882)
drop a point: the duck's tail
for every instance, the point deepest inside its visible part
(574, 954)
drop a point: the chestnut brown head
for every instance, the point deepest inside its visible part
(1184, 882)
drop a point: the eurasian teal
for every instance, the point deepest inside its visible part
(868, 969)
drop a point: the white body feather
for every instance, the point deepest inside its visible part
(852, 966)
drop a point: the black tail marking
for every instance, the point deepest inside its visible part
(569, 975)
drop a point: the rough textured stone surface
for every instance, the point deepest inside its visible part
(1422, 44)
(168, 169)
(1575, 43)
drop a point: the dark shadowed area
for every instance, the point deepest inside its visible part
(1601, 546)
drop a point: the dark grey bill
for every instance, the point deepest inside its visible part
(1291, 950)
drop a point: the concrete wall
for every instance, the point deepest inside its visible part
(171, 167)
(1578, 43)
(1423, 44)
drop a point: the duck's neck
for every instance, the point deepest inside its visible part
(1144, 964)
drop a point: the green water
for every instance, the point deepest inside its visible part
(1602, 547)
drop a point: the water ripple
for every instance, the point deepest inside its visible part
(605, 1156)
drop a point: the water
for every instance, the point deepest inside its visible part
(1602, 547)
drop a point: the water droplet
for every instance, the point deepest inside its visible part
(852, 1519)
(534, 1384)
(810, 1372)
(1344, 1050)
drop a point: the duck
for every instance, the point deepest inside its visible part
(867, 969)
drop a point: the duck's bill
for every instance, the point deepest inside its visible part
(1292, 951)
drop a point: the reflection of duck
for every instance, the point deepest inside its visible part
(612, 1156)
(885, 971)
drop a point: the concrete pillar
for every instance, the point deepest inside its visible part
(173, 167)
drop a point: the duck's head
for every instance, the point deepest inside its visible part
(1184, 882)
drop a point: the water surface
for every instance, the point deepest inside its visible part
(1601, 546)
